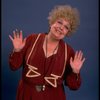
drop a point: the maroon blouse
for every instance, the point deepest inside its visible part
(39, 70)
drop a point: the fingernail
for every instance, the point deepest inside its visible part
(13, 31)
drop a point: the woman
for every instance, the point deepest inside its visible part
(46, 59)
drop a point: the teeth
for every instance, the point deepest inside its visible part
(59, 32)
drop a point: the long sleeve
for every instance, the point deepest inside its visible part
(72, 80)
(16, 59)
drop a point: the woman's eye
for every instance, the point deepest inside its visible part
(59, 22)
(66, 27)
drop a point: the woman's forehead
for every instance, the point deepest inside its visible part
(63, 20)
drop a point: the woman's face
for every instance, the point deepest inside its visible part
(60, 28)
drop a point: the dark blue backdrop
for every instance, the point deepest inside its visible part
(31, 16)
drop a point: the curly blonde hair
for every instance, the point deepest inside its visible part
(66, 12)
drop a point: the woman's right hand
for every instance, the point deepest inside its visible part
(17, 40)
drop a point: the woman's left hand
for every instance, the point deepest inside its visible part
(77, 62)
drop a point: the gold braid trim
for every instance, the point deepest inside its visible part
(32, 68)
(55, 77)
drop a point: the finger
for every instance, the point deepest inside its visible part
(10, 37)
(21, 36)
(76, 53)
(14, 34)
(80, 55)
(24, 41)
(17, 33)
(83, 60)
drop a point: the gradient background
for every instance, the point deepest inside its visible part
(31, 16)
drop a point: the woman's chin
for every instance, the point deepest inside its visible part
(58, 36)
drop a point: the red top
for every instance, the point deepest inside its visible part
(39, 70)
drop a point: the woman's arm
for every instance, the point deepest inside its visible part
(72, 73)
(20, 46)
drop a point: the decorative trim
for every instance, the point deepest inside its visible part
(33, 47)
(65, 59)
(32, 69)
(55, 77)
(51, 78)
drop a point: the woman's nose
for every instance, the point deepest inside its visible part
(61, 27)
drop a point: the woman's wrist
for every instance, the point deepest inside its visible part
(76, 71)
(16, 50)
(77, 75)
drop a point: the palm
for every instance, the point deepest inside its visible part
(18, 43)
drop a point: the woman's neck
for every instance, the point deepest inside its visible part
(52, 40)
(50, 45)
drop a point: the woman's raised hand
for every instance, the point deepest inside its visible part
(17, 40)
(77, 62)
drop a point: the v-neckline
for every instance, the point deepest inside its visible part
(49, 55)
(44, 50)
